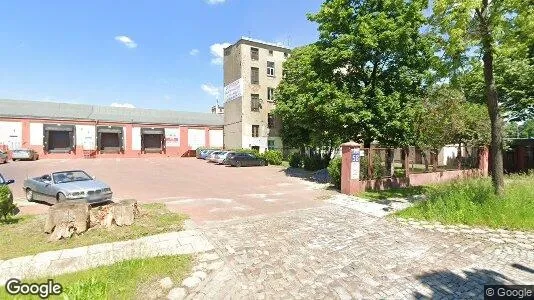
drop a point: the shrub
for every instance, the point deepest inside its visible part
(273, 157)
(295, 160)
(315, 162)
(334, 171)
(7, 208)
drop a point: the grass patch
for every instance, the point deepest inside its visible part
(131, 279)
(394, 193)
(472, 202)
(26, 236)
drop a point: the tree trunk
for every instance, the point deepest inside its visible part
(67, 218)
(425, 159)
(390, 166)
(492, 102)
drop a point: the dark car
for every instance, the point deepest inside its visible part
(246, 160)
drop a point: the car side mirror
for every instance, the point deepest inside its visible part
(10, 181)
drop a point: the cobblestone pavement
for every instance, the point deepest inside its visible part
(335, 252)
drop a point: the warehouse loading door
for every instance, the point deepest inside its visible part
(153, 140)
(58, 138)
(110, 139)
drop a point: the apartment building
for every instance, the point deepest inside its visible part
(252, 71)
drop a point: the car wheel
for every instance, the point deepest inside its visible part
(61, 197)
(238, 164)
(29, 194)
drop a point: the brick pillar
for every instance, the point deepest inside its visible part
(350, 168)
(25, 138)
(128, 140)
(483, 160)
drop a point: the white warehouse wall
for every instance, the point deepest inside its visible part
(36, 134)
(216, 138)
(196, 138)
(11, 134)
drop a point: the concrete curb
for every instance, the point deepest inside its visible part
(58, 262)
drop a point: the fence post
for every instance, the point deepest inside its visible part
(483, 164)
(350, 168)
(406, 165)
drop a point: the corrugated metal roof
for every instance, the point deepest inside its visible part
(68, 111)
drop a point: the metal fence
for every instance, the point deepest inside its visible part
(379, 163)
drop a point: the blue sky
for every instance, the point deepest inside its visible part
(150, 54)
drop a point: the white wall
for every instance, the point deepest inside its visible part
(11, 134)
(86, 136)
(196, 138)
(249, 142)
(36, 134)
(136, 138)
(216, 137)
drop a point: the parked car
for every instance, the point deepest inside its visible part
(6, 182)
(229, 156)
(213, 156)
(3, 157)
(24, 154)
(203, 154)
(222, 156)
(62, 186)
(246, 160)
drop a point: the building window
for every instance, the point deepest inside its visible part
(254, 75)
(270, 144)
(255, 102)
(271, 52)
(270, 120)
(255, 130)
(270, 94)
(270, 68)
(254, 53)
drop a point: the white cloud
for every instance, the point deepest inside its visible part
(211, 89)
(217, 50)
(126, 41)
(213, 2)
(128, 105)
(193, 52)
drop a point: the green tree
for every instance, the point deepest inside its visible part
(476, 27)
(309, 102)
(526, 130)
(445, 117)
(381, 58)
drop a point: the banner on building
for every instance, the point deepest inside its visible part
(172, 137)
(233, 90)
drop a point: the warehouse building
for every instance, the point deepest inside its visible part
(63, 130)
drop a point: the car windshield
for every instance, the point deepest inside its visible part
(2, 181)
(70, 176)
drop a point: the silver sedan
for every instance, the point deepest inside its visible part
(66, 186)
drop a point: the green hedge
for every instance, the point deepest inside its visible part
(295, 160)
(273, 157)
(334, 171)
(7, 208)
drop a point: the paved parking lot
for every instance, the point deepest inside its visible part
(203, 190)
